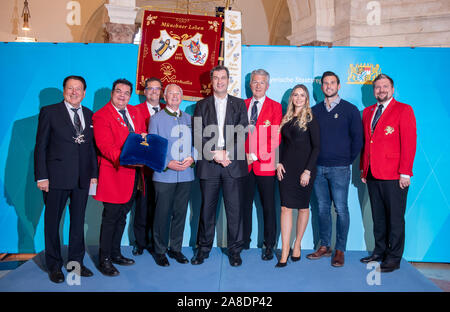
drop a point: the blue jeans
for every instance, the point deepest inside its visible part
(332, 185)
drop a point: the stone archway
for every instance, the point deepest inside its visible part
(280, 26)
(94, 31)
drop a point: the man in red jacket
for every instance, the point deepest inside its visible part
(264, 115)
(386, 166)
(145, 204)
(117, 185)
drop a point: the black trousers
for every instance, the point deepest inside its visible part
(388, 203)
(55, 202)
(232, 189)
(144, 215)
(114, 219)
(170, 215)
(266, 190)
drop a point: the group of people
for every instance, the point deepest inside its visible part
(237, 146)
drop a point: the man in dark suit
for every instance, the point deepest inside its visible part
(220, 123)
(65, 166)
(145, 203)
(386, 166)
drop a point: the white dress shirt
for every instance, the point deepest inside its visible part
(221, 110)
(259, 106)
(72, 114)
(150, 108)
(385, 105)
(130, 120)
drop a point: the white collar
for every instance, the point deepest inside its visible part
(172, 111)
(385, 104)
(260, 101)
(69, 106)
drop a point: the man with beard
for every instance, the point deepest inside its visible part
(386, 166)
(340, 143)
(145, 203)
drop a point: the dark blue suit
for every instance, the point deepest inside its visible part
(69, 167)
(214, 176)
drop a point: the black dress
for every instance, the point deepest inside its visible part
(299, 150)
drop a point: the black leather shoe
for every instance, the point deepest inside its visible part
(150, 249)
(387, 267)
(107, 268)
(121, 260)
(235, 260)
(371, 258)
(199, 258)
(268, 254)
(178, 256)
(56, 276)
(84, 271)
(161, 260)
(137, 251)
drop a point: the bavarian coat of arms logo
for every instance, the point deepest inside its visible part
(362, 73)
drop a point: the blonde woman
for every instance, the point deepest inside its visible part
(297, 168)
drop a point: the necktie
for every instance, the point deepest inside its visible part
(76, 120)
(254, 114)
(156, 109)
(124, 115)
(377, 116)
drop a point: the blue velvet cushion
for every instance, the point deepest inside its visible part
(152, 156)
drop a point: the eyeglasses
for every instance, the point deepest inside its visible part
(153, 88)
(76, 89)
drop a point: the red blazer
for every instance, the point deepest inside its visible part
(143, 109)
(264, 140)
(391, 148)
(115, 182)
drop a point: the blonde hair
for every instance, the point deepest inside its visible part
(305, 114)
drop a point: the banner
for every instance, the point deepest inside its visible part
(181, 49)
(232, 50)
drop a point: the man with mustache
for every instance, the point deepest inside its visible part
(386, 166)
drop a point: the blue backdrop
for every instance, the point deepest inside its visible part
(32, 75)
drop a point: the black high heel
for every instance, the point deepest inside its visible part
(295, 259)
(283, 264)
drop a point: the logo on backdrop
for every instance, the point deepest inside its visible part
(362, 73)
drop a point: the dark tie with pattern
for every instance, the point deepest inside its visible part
(156, 109)
(254, 114)
(77, 121)
(377, 116)
(124, 115)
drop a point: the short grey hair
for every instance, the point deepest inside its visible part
(262, 72)
(173, 84)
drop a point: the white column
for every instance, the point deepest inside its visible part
(122, 11)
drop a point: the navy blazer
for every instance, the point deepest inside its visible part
(236, 114)
(57, 157)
